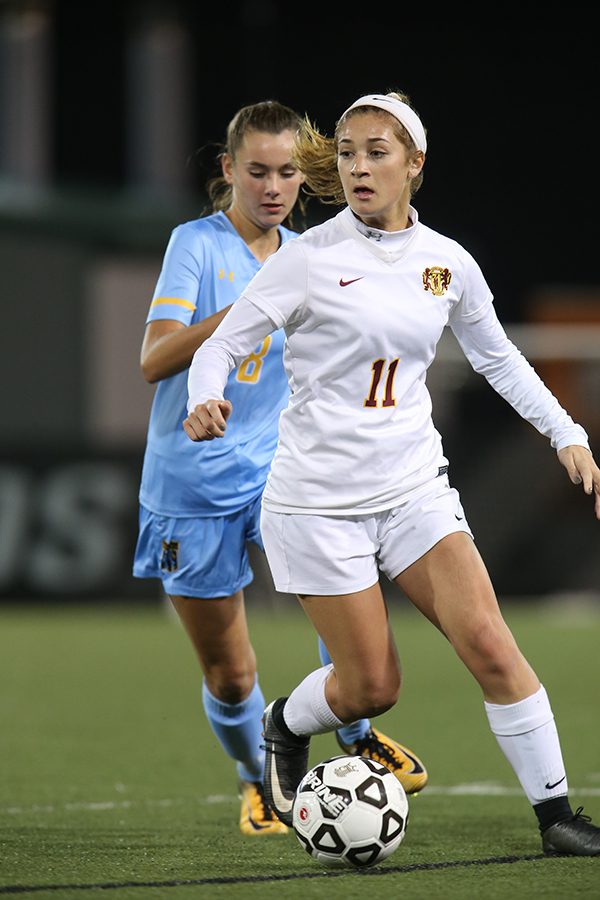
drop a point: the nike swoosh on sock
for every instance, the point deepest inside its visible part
(549, 787)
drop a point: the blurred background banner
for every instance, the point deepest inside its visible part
(110, 116)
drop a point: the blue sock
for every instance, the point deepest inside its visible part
(349, 734)
(238, 727)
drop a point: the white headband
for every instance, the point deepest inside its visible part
(405, 115)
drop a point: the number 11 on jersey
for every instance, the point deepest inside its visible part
(376, 377)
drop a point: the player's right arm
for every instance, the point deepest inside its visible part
(169, 345)
(241, 331)
(273, 299)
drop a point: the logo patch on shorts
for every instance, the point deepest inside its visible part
(169, 560)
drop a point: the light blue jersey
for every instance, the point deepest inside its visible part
(205, 268)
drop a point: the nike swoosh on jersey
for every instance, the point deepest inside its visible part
(556, 783)
(351, 281)
(280, 802)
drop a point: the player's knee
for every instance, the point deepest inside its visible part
(373, 696)
(230, 684)
(494, 654)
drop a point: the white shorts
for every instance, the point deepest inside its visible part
(330, 555)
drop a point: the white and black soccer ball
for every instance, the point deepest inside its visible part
(350, 811)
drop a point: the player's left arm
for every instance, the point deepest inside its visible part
(582, 469)
(494, 356)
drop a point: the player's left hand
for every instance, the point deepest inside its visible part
(582, 469)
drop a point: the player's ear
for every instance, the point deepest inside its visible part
(227, 167)
(416, 164)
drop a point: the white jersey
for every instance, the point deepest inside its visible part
(363, 311)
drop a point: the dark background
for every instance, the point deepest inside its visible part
(510, 108)
(103, 107)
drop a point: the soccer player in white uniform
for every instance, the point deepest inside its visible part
(359, 480)
(200, 503)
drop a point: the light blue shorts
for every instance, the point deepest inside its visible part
(204, 557)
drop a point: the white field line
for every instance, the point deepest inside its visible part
(474, 789)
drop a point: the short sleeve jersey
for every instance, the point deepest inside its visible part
(205, 268)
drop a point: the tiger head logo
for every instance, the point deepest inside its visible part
(437, 280)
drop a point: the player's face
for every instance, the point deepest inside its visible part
(376, 171)
(264, 180)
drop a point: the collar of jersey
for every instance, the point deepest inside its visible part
(387, 245)
(284, 233)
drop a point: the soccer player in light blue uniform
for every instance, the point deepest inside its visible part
(205, 266)
(200, 502)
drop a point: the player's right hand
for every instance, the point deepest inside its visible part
(207, 420)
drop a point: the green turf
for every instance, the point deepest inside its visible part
(112, 783)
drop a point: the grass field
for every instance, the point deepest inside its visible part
(112, 783)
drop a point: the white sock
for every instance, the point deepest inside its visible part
(306, 710)
(528, 738)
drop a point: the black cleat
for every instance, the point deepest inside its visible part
(572, 837)
(286, 763)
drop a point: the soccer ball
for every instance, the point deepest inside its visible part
(350, 811)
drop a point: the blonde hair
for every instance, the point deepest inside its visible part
(267, 116)
(316, 155)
